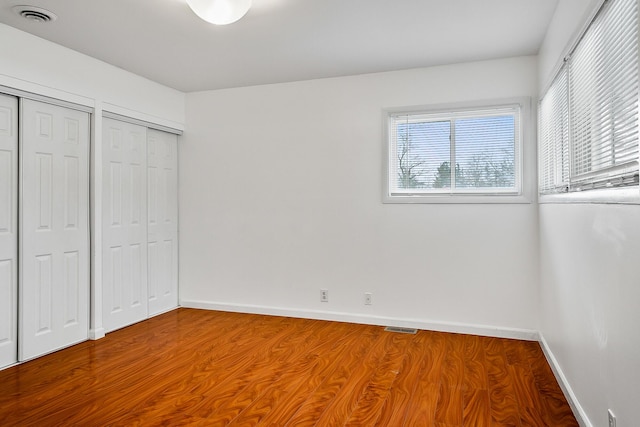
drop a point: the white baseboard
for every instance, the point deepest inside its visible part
(462, 328)
(162, 312)
(9, 366)
(578, 412)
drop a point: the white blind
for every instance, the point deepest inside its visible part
(603, 88)
(588, 119)
(553, 127)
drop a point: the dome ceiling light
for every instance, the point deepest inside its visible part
(220, 12)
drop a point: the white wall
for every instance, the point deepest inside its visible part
(280, 195)
(36, 65)
(591, 304)
(590, 280)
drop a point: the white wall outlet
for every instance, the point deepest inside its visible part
(367, 298)
(612, 418)
(324, 295)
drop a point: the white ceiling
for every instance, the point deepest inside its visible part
(288, 40)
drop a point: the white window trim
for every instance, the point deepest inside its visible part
(525, 152)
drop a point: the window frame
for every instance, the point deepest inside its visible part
(523, 153)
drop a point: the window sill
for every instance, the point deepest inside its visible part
(458, 199)
(625, 196)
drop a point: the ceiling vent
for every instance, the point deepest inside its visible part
(36, 14)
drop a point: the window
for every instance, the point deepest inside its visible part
(588, 119)
(454, 154)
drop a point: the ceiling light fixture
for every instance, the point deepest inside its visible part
(220, 12)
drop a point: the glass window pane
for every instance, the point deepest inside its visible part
(422, 148)
(485, 152)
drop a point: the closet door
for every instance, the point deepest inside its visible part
(124, 224)
(54, 229)
(162, 158)
(8, 230)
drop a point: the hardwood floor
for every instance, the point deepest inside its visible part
(196, 367)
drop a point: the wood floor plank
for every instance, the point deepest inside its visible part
(453, 363)
(504, 406)
(559, 412)
(450, 402)
(532, 407)
(370, 404)
(515, 353)
(557, 409)
(476, 406)
(399, 396)
(300, 379)
(450, 405)
(310, 411)
(196, 367)
(338, 411)
(422, 406)
(264, 375)
(475, 371)
(328, 361)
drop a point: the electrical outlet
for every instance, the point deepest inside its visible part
(324, 295)
(367, 298)
(612, 418)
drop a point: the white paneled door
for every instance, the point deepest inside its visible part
(54, 228)
(8, 230)
(162, 185)
(124, 225)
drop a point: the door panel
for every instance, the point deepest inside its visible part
(162, 220)
(54, 253)
(124, 226)
(8, 230)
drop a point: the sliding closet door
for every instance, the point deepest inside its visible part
(162, 158)
(54, 229)
(8, 230)
(124, 224)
